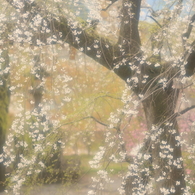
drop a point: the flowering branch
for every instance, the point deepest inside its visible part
(129, 39)
(84, 39)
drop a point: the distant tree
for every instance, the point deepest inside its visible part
(151, 74)
(4, 93)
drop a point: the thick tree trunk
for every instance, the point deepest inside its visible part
(165, 146)
(161, 161)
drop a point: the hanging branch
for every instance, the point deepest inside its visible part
(105, 52)
(87, 117)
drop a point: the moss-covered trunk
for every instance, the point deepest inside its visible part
(4, 103)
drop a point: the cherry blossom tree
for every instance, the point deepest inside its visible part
(155, 72)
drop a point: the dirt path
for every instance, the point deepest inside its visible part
(81, 188)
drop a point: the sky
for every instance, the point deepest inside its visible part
(155, 4)
(151, 1)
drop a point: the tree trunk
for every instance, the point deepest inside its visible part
(4, 103)
(2, 139)
(161, 162)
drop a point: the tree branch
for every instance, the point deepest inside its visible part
(155, 21)
(129, 37)
(186, 35)
(84, 39)
(183, 111)
(112, 2)
(87, 117)
(190, 55)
